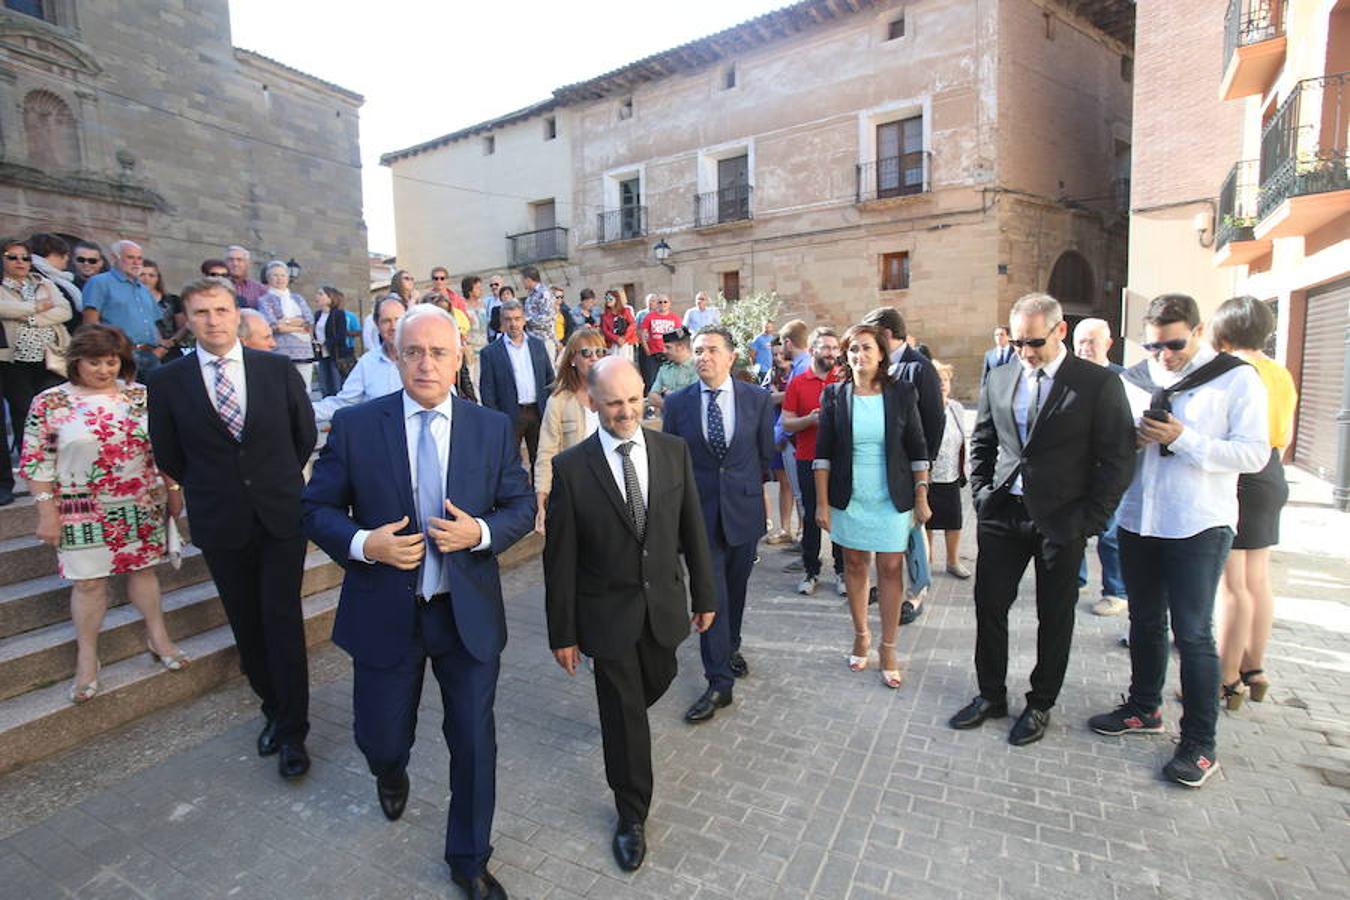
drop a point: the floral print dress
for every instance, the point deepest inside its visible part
(95, 448)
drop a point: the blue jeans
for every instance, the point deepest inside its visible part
(916, 561)
(1176, 578)
(1108, 553)
(330, 380)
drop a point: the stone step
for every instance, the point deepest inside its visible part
(19, 518)
(42, 601)
(25, 557)
(47, 655)
(44, 721)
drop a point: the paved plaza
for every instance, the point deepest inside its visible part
(817, 783)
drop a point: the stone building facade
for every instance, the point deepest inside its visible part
(139, 119)
(945, 156)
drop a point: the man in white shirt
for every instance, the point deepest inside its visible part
(701, 313)
(376, 372)
(1202, 420)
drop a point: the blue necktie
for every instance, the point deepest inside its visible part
(717, 431)
(430, 500)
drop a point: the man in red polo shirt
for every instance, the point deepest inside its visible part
(653, 330)
(801, 419)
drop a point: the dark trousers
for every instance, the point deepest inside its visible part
(259, 586)
(1177, 576)
(731, 567)
(625, 687)
(1008, 540)
(648, 364)
(806, 482)
(527, 430)
(330, 382)
(21, 382)
(384, 702)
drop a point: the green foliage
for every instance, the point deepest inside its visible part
(745, 318)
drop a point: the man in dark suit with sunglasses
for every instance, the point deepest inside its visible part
(1052, 452)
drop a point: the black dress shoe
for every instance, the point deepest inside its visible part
(738, 665)
(480, 887)
(630, 845)
(393, 793)
(973, 714)
(292, 760)
(1030, 727)
(704, 707)
(909, 612)
(267, 739)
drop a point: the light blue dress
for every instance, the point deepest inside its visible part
(871, 521)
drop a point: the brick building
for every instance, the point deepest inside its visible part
(943, 155)
(140, 119)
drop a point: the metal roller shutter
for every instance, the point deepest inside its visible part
(1327, 316)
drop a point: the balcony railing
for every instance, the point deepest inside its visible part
(537, 246)
(895, 176)
(729, 204)
(1304, 146)
(1251, 22)
(621, 224)
(1237, 204)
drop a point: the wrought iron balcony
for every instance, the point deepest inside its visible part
(895, 176)
(1253, 47)
(1237, 204)
(623, 224)
(537, 246)
(1304, 154)
(729, 204)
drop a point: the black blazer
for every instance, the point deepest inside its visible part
(231, 485)
(918, 370)
(601, 584)
(904, 441)
(497, 380)
(1078, 460)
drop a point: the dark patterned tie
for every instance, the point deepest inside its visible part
(227, 404)
(637, 507)
(717, 430)
(1034, 407)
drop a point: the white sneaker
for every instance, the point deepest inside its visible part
(1110, 606)
(840, 587)
(807, 586)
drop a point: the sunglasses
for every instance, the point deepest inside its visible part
(217, 274)
(439, 278)
(495, 284)
(87, 259)
(1176, 345)
(590, 352)
(14, 257)
(1036, 343)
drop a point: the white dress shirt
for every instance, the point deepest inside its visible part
(1226, 424)
(610, 444)
(522, 368)
(440, 433)
(695, 318)
(1022, 399)
(374, 375)
(726, 401)
(370, 333)
(234, 370)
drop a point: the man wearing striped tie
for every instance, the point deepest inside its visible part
(234, 427)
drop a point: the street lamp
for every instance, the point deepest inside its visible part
(662, 253)
(294, 268)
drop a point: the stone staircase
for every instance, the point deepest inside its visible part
(37, 641)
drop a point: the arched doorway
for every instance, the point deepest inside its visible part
(1071, 283)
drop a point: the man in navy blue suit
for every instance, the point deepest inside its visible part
(417, 493)
(728, 425)
(1001, 353)
(516, 377)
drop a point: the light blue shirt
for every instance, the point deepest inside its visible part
(762, 348)
(124, 303)
(1022, 400)
(374, 375)
(726, 401)
(522, 367)
(695, 318)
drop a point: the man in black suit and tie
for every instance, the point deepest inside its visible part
(1002, 352)
(235, 428)
(728, 426)
(516, 377)
(614, 587)
(1052, 452)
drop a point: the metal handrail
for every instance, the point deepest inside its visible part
(895, 176)
(528, 247)
(1251, 22)
(728, 204)
(622, 224)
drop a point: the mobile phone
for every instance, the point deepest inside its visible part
(1157, 415)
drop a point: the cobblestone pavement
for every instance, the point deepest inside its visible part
(817, 782)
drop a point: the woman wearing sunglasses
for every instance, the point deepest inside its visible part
(568, 417)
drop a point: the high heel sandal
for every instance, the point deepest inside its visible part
(83, 693)
(175, 663)
(891, 677)
(1257, 689)
(1232, 695)
(858, 663)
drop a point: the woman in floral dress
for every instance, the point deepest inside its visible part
(101, 502)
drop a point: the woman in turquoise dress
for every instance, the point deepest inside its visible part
(871, 471)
